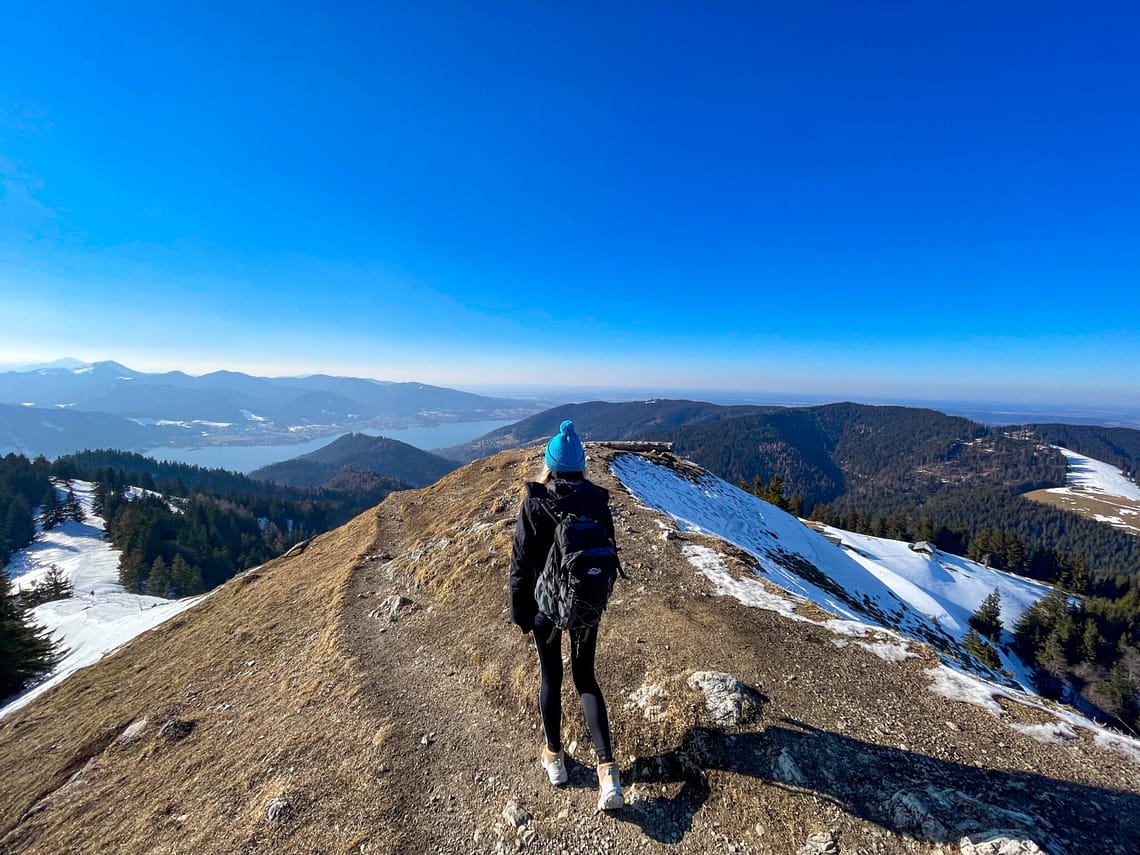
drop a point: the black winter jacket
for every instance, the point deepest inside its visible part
(534, 534)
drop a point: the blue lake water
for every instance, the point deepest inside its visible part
(246, 458)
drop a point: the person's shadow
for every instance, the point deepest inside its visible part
(902, 791)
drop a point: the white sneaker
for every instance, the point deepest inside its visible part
(609, 787)
(555, 765)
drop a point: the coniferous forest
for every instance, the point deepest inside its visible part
(181, 530)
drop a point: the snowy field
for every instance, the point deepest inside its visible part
(882, 592)
(1096, 476)
(1097, 490)
(100, 616)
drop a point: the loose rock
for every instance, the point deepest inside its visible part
(277, 808)
(516, 816)
(820, 843)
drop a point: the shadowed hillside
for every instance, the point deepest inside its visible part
(368, 694)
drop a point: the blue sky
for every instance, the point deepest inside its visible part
(865, 201)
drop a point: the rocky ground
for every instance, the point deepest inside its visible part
(369, 694)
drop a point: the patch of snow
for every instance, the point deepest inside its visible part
(974, 690)
(100, 616)
(957, 686)
(889, 651)
(872, 583)
(751, 592)
(91, 627)
(1098, 477)
(251, 417)
(53, 427)
(28, 404)
(1054, 733)
(1121, 744)
(86, 369)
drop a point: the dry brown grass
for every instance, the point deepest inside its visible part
(255, 669)
(1092, 506)
(410, 736)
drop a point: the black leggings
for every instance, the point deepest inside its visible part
(583, 645)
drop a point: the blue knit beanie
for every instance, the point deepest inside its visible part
(564, 452)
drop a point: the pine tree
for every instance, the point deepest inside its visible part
(981, 651)
(19, 524)
(72, 509)
(56, 585)
(185, 580)
(26, 651)
(158, 583)
(773, 494)
(796, 505)
(987, 619)
(52, 513)
(130, 571)
(925, 529)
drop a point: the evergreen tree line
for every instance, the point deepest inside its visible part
(180, 546)
(23, 485)
(26, 650)
(1089, 646)
(1034, 534)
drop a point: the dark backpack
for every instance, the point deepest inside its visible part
(574, 586)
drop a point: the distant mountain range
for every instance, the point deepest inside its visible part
(140, 410)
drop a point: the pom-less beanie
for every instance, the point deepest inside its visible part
(564, 452)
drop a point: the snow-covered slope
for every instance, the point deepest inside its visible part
(1097, 490)
(867, 580)
(1096, 476)
(100, 616)
(883, 591)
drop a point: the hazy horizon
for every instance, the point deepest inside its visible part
(873, 202)
(986, 409)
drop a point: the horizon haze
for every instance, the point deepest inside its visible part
(808, 200)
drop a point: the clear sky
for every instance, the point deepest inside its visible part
(865, 200)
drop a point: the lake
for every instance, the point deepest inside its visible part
(246, 458)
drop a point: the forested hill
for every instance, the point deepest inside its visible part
(602, 420)
(913, 474)
(359, 453)
(890, 456)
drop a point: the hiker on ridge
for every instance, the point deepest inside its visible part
(561, 490)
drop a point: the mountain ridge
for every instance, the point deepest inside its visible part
(137, 410)
(367, 693)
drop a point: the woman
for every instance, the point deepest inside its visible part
(562, 489)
